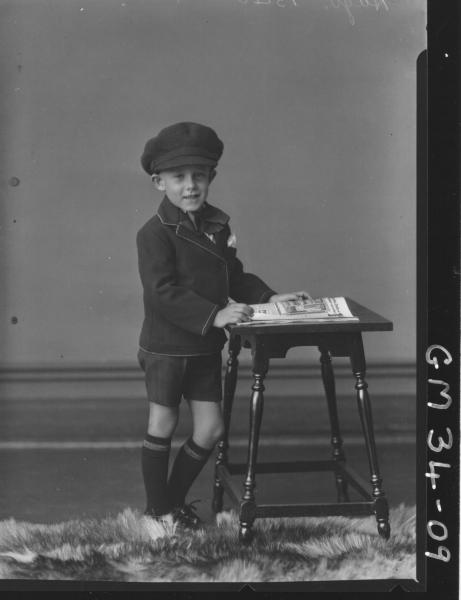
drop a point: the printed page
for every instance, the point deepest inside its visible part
(318, 309)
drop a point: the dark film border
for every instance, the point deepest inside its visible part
(439, 265)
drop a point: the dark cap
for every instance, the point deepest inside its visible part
(182, 144)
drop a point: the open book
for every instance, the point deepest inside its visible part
(310, 310)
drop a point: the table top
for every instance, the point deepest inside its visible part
(368, 321)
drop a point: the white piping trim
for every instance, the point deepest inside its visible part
(213, 312)
(183, 237)
(164, 222)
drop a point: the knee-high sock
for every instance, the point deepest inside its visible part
(154, 461)
(189, 461)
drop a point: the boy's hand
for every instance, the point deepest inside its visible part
(291, 296)
(232, 313)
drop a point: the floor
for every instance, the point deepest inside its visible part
(61, 460)
(48, 486)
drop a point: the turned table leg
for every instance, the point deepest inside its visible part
(364, 406)
(230, 382)
(336, 441)
(248, 504)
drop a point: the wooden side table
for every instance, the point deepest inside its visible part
(273, 341)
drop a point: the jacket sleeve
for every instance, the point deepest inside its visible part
(178, 304)
(245, 287)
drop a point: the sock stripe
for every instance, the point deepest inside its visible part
(195, 451)
(156, 447)
(164, 441)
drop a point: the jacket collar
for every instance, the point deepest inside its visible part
(214, 219)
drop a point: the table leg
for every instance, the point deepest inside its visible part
(230, 382)
(364, 406)
(248, 504)
(336, 440)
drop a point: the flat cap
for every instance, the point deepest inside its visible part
(181, 144)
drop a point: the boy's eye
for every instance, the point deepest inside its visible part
(195, 176)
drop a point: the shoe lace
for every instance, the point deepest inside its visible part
(190, 509)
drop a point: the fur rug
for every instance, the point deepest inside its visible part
(131, 547)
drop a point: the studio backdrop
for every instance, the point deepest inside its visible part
(315, 101)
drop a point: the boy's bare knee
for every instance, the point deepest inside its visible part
(219, 432)
(208, 425)
(216, 430)
(162, 420)
(207, 438)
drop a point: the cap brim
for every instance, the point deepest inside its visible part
(184, 161)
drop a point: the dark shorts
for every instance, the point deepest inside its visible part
(169, 378)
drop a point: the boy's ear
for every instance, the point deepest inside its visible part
(212, 175)
(158, 182)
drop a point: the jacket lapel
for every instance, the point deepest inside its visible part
(216, 219)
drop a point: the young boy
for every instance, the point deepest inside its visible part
(189, 272)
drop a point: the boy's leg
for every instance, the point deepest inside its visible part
(192, 456)
(202, 387)
(155, 457)
(164, 376)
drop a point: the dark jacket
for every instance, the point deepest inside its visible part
(187, 278)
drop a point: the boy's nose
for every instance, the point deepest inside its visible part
(189, 181)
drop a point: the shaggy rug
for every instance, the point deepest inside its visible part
(132, 547)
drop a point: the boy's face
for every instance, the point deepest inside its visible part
(186, 187)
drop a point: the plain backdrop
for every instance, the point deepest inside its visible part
(316, 106)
